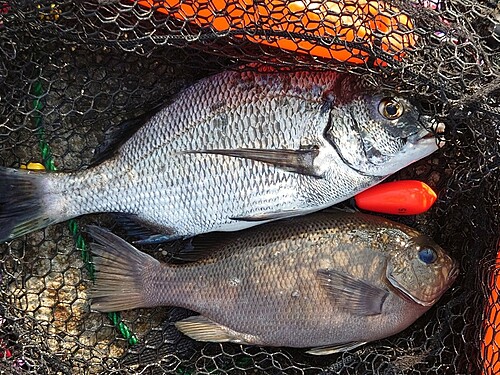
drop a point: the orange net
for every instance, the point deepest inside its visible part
(294, 25)
(490, 344)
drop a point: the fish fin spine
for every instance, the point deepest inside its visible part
(124, 275)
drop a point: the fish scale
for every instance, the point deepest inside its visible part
(232, 151)
(263, 285)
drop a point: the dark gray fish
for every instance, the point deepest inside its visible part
(327, 281)
(232, 151)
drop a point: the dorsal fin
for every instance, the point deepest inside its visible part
(116, 135)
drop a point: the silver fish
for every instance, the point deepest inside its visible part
(232, 151)
(327, 281)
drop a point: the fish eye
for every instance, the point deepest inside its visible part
(427, 255)
(390, 108)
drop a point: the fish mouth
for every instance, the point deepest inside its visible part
(423, 134)
(396, 285)
(433, 131)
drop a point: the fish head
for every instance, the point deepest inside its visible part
(422, 271)
(379, 134)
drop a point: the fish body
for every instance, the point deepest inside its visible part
(234, 150)
(331, 281)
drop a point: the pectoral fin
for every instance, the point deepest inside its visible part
(325, 350)
(203, 329)
(297, 161)
(358, 296)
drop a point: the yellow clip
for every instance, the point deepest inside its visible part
(33, 166)
(52, 15)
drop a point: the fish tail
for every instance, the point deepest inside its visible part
(121, 272)
(22, 207)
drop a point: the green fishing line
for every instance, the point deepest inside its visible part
(48, 162)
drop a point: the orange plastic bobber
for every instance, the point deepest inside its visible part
(406, 197)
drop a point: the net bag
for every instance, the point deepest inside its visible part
(72, 72)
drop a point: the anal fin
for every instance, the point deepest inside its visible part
(203, 329)
(325, 350)
(146, 233)
(156, 239)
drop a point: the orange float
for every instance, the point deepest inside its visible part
(405, 197)
(490, 343)
(303, 26)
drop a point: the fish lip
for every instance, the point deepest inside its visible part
(420, 135)
(428, 136)
(431, 131)
(396, 285)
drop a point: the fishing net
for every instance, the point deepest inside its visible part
(71, 72)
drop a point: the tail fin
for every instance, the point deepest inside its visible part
(22, 208)
(120, 270)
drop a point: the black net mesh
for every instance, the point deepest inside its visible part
(70, 72)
